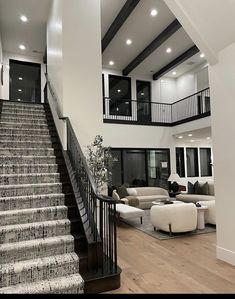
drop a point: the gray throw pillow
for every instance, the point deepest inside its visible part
(122, 191)
(191, 188)
(201, 189)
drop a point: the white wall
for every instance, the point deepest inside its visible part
(74, 64)
(1, 64)
(6, 79)
(222, 81)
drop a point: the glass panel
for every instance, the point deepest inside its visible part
(117, 168)
(205, 162)
(120, 95)
(180, 165)
(134, 168)
(158, 168)
(192, 162)
(144, 100)
(25, 81)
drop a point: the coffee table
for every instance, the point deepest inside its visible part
(160, 203)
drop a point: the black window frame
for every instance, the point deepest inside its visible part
(182, 166)
(196, 162)
(211, 172)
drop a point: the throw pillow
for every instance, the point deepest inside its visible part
(191, 188)
(122, 191)
(132, 191)
(202, 189)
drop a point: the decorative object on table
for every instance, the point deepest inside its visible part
(174, 186)
(100, 162)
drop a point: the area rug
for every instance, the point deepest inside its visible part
(147, 228)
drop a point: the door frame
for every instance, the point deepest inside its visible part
(38, 65)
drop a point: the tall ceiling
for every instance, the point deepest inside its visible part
(142, 29)
(32, 34)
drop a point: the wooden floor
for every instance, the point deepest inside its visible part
(181, 265)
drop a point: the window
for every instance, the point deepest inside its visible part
(103, 93)
(120, 95)
(192, 162)
(141, 167)
(180, 165)
(205, 162)
(143, 90)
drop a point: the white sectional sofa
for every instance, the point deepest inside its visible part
(144, 195)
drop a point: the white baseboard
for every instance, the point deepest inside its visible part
(225, 255)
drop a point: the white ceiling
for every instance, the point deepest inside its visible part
(32, 34)
(198, 135)
(142, 29)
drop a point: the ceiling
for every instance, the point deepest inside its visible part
(142, 29)
(199, 135)
(31, 34)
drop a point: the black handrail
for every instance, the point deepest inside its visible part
(98, 211)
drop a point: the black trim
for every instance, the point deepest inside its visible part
(156, 43)
(124, 13)
(180, 59)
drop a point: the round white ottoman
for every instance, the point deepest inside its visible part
(174, 218)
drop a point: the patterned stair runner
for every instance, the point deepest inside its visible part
(37, 248)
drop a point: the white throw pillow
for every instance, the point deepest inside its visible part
(131, 191)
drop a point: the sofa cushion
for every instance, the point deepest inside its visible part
(150, 198)
(211, 188)
(201, 188)
(145, 191)
(122, 191)
(132, 191)
(191, 188)
(194, 197)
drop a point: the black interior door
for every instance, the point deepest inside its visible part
(143, 101)
(25, 81)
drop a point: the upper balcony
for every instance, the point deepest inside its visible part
(126, 111)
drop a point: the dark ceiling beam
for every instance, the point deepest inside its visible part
(156, 43)
(180, 59)
(124, 13)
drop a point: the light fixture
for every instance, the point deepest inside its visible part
(20, 90)
(208, 138)
(202, 55)
(142, 93)
(192, 141)
(111, 62)
(190, 135)
(174, 73)
(162, 81)
(154, 12)
(119, 90)
(24, 19)
(180, 137)
(22, 47)
(174, 178)
(129, 42)
(20, 78)
(18, 100)
(168, 50)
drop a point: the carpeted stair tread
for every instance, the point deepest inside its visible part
(27, 152)
(38, 269)
(29, 115)
(39, 178)
(19, 120)
(25, 137)
(15, 125)
(27, 132)
(36, 230)
(23, 144)
(37, 248)
(28, 168)
(7, 103)
(71, 284)
(27, 160)
(31, 202)
(24, 216)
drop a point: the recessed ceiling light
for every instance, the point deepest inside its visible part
(111, 62)
(174, 73)
(192, 140)
(168, 50)
(22, 47)
(154, 12)
(162, 81)
(18, 100)
(19, 90)
(208, 138)
(119, 90)
(24, 19)
(180, 137)
(202, 55)
(190, 135)
(20, 78)
(128, 42)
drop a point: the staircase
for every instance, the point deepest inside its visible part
(39, 222)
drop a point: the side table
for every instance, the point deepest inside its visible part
(201, 217)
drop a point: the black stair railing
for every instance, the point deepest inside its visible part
(98, 212)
